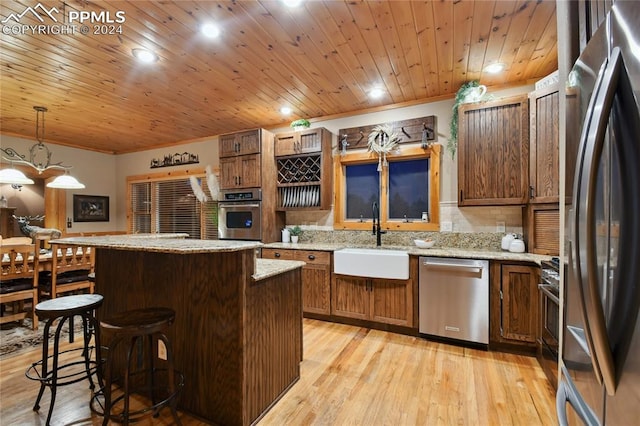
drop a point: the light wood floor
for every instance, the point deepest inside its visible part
(349, 376)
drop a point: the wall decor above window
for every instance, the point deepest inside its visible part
(422, 129)
(176, 159)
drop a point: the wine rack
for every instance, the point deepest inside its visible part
(299, 169)
(305, 174)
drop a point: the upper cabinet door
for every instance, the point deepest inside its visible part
(303, 142)
(228, 146)
(240, 143)
(493, 152)
(544, 158)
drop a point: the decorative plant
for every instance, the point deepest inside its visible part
(302, 122)
(295, 231)
(382, 140)
(461, 94)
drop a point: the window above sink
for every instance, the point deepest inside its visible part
(404, 189)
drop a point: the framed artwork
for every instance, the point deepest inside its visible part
(90, 208)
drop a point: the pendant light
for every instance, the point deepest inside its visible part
(14, 177)
(65, 181)
(39, 159)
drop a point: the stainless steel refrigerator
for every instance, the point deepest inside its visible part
(600, 381)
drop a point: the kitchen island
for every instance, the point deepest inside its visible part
(237, 336)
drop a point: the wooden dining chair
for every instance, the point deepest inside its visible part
(68, 272)
(18, 283)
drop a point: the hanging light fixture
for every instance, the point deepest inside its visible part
(14, 177)
(39, 159)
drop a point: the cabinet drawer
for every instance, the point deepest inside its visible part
(312, 256)
(268, 253)
(309, 256)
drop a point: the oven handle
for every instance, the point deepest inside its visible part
(226, 205)
(545, 289)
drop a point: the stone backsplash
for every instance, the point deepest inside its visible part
(476, 240)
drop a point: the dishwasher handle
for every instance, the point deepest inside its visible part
(453, 263)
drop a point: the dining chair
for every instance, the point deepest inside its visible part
(68, 272)
(18, 283)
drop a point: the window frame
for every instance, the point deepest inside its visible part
(406, 153)
(159, 177)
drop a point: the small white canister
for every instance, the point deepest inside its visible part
(286, 236)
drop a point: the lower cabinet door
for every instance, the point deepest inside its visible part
(373, 299)
(391, 302)
(519, 303)
(350, 297)
(316, 289)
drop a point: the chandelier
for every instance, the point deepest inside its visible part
(39, 159)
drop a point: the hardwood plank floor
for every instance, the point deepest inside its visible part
(349, 375)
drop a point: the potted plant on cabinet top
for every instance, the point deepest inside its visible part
(295, 233)
(300, 124)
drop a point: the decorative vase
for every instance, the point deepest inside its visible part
(294, 238)
(475, 94)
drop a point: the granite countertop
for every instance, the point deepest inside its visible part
(162, 243)
(415, 251)
(266, 268)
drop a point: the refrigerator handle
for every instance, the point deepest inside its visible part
(567, 393)
(576, 244)
(593, 138)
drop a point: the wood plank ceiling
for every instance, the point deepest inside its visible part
(320, 59)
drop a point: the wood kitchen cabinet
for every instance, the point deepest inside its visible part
(301, 142)
(240, 143)
(541, 217)
(493, 152)
(544, 160)
(247, 161)
(305, 174)
(240, 172)
(514, 305)
(373, 299)
(241, 158)
(316, 277)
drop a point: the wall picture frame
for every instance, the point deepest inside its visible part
(90, 208)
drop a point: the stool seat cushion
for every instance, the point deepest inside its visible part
(19, 284)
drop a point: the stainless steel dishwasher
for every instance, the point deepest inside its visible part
(454, 298)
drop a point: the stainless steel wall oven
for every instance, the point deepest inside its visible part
(239, 215)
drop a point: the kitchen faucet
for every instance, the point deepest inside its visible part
(376, 227)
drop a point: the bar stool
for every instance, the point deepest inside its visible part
(56, 375)
(129, 330)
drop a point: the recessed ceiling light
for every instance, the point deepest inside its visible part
(285, 110)
(292, 3)
(376, 93)
(210, 30)
(144, 55)
(494, 68)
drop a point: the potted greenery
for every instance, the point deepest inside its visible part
(461, 97)
(295, 233)
(300, 124)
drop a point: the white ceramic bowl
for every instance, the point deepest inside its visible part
(424, 243)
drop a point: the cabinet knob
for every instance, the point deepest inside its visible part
(311, 257)
(277, 254)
